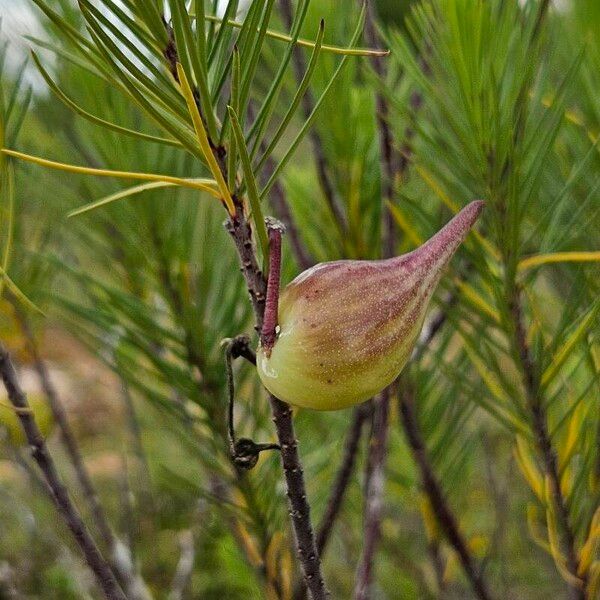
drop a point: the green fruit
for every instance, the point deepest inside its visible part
(347, 328)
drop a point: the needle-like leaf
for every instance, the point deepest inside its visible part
(204, 142)
(251, 186)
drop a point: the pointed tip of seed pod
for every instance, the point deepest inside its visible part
(455, 231)
(474, 208)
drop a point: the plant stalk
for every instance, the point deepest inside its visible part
(539, 424)
(239, 228)
(373, 495)
(45, 462)
(124, 571)
(439, 504)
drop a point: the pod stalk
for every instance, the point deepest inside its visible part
(268, 334)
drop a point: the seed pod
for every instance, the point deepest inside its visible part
(347, 328)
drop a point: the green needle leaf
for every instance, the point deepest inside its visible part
(257, 216)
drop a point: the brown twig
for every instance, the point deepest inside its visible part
(340, 484)
(239, 228)
(539, 423)
(128, 577)
(373, 495)
(241, 232)
(66, 433)
(444, 515)
(343, 476)
(375, 471)
(65, 505)
(308, 104)
(389, 156)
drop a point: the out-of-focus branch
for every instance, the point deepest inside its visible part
(185, 566)
(375, 471)
(539, 425)
(66, 433)
(65, 505)
(340, 484)
(8, 588)
(343, 476)
(390, 160)
(444, 515)
(308, 104)
(126, 575)
(373, 494)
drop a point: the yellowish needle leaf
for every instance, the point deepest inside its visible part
(205, 185)
(186, 90)
(557, 257)
(307, 43)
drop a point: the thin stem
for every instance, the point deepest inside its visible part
(539, 423)
(268, 334)
(243, 452)
(125, 572)
(68, 438)
(445, 517)
(238, 227)
(65, 505)
(374, 495)
(375, 472)
(389, 155)
(308, 104)
(296, 493)
(340, 484)
(343, 476)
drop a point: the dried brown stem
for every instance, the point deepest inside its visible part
(340, 484)
(65, 505)
(343, 476)
(444, 515)
(66, 433)
(539, 422)
(127, 576)
(375, 472)
(373, 495)
(389, 156)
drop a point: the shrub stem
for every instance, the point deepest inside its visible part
(445, 517)
(374, 485)
(539, 424)
(239, 228)
(65, 505)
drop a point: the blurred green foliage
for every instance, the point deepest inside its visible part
(486, 100)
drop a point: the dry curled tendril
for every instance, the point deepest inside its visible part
(243, 451)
